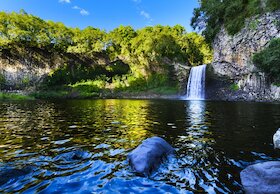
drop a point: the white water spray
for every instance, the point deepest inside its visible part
(196, 83)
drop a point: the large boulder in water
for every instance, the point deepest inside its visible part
(276, 139)
(149, 155)
(261, 178)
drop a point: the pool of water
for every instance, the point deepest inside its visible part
(81, 146)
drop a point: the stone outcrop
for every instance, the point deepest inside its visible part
(233, 56)
(181, 73)
(261, 178)
(276, 139)
(21, 68)
(17, 75)
(148, 155)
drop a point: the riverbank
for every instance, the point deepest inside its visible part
(51, 95)
(15, 96)
(68, 93)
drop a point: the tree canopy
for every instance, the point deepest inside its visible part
(141, 46)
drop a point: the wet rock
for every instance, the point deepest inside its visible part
(276, 139)
(261, 178)
(149, 155)
(9, 173)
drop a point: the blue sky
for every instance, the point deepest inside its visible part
(108, 14)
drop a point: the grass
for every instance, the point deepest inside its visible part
(14, 96)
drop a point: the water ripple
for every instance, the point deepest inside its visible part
(80, 146)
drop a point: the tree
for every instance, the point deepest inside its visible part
(87, 41)
(119, 41)
(59, 35)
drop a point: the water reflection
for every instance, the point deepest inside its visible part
(195, 110)
(81, 145)
(197, 134)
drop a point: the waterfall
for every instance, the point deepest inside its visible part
(196, 83)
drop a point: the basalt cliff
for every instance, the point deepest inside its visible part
(232, 74)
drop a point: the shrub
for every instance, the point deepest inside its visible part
(268, 60)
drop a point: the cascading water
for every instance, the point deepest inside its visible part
(196, 83)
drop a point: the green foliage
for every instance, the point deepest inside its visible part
(253, 24)
(268, 60)
(212, 14)
(31, 31)
(71, 73)
(117, 68)
(196, 49)
(51, 94)
(87, 41)
(26, 81)
(131, 83)
(154, 43)
(119, 41)
(91, 85)
(14, 96)
(234, 87)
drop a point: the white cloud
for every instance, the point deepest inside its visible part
(82, 11)
(64, 1)
(76, 7)
(137, 1)
(145, 14)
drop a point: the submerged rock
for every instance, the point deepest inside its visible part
(9, 173)
(149, 155)
(73, 156)
(261, 178)
(276, 139)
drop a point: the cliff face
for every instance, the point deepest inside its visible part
(233, 56)
(22, 68)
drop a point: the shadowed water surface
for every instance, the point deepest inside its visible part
(80, 146)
